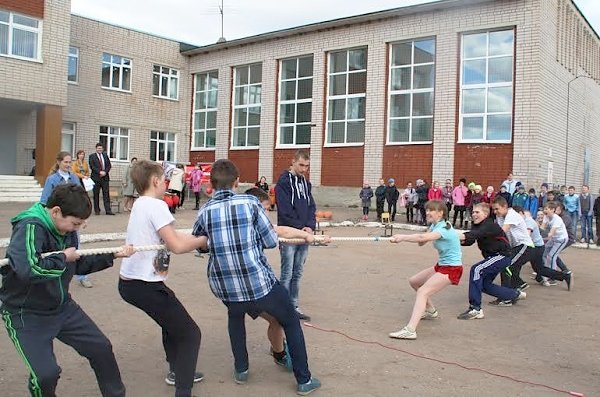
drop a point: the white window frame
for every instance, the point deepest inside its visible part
(347, 72)
(75, 56)
(164, 142)
(205, 91)
(172, 76)
(294, 102)
(410, 91)
(69, 131)
(122, 67)
(246, 106)
(485, 86)
(11, 26)
(117, 133)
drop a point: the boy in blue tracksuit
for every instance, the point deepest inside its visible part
(532, 202)
(295, 208)
(36, 305)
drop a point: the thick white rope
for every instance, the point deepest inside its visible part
(114, 250)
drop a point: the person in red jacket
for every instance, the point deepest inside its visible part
(435, 193)
(489, 195)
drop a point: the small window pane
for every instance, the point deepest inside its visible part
(25, 21)
(156, 69)
(199, 139)
(337, 132)
(241, 95)
(105, 75)
(288, 90)
(304, 112)
(338, 62)
(474, 45)
(254, 94)
(254, 116)
(287, 136)
(356, 108)
(472, 128)
(253, 136)
(501, 43)
(338, 85)
(241, 75)
(239, 136)
(474, 72)
(211, 138)
(240, 117)
(213, 81)
(473, 101)
(306, 67)
(256, 73)
(501, 70)
(357, 59)
(422, 129)
(399, 130)
(288, 69)
(423, 77)
(126, 79)
(287, 113)
(211, 119)
(212, 99)
(400, 79)
(400, 105)
(4, 16)
(357, 83)
(305, 89)
(499, 99)
(356, 131)
(156, 85)
(337, 109)
(3, 39)
(422, 104)
(499, 127)
(303, 134)
(424, 51)
(24, 43)
(401, 54)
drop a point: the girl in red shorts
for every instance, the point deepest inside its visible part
(447, 271)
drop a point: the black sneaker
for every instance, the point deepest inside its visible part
(523, 287)
(302, 316)
(569, 280)
(170, 379)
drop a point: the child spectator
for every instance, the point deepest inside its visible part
(531, 204)
(410, 197)
(458, 199)
(505, 194)
(489, 195)
(380, 198)
(422, 190)
(36, 305)
(543, 196)
(196, 183)
(435, 193)
(239, 274)
(468, 205)
(519, 197)
(366, 193)
(142, 277)
(447, 195)
(391, 196)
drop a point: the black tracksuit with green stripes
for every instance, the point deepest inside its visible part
(37, 306)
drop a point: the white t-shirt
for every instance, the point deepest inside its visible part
(148, 216)
(561, 229)
(518, 233)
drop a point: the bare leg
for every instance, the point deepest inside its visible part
(274, 333)
(419, 279)
(434, 283)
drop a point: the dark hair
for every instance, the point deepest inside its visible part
(72, 199)
(552, 205)
(142, 172)
(223, 174)
(519, 208)
(302, 154)
(501, 201)
(572, 187)
(99, 144)
(532, 190)
(257, 192)
(133, 158)
(558, 204)
(463, 180)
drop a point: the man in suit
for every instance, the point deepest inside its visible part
(100, 166)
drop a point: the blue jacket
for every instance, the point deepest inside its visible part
(295, 204)
(532, 205)
(54, 180)
(572, 203)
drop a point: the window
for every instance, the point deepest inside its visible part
(162, 146)
(67, 143)
(486, 80)
(165, 82)
(295, 101)
(411, 82)
(116, 72)
(346, 98)
(116, 142)
(73, 64)
(19, 36)
(247, 106)
(205, 110)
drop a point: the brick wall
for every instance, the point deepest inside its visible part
(483, 164)
(202, 157)
(247, 162)
(406, 163)
(34, 8)
(281, 161)
(342, 166)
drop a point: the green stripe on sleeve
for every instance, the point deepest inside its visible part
(32, 258)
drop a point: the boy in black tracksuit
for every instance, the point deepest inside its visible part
(36, 304)
(495, 249)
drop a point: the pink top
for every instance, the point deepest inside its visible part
(196, 180)
(458, 195)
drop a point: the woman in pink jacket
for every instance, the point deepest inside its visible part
(458, 199)
(196, 183)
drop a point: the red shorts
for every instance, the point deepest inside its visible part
(454, 272)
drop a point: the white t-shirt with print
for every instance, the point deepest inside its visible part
(148, 216)
(518, 233)
(557, 222)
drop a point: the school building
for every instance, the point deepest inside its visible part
(449, 89)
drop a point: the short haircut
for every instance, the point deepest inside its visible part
(142, 172)
(571, 187)
(519, 208)
(257, 192)
(72, 199)
(463, 180)
(484, 207)
(99, 144)
(223, 174)
(584, 185)
(501, 201)
(301, 154)
(552, 205)
(559, 204)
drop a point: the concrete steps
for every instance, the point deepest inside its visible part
(17, 188)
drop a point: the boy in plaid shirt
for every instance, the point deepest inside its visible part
(238, 230)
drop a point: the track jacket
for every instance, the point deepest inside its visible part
(295, 204)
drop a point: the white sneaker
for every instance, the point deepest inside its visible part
(430, 315)
(582, 241)
(85, 283)
(522, 295)
(404, 333)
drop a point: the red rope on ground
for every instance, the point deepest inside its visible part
(333, 331)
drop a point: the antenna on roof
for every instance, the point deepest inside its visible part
(222, 38)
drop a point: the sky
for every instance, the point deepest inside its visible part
(198, 22)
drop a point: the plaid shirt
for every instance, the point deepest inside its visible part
(238, 230)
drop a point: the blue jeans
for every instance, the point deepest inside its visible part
(482, 277)
(293, 258)
(574, 218)
(277, 304)
(586, 227)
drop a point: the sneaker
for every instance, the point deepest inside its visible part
(569, 280)
(500, 303)
(430, 315)
(533, 276)
(170, 379)
(86, 283)
(582, 241)
(550, 283)
(523, 287)
(522, 295)
(302, 316)
(308, 387)
(471, 314)
(404, 333)
(240, 377)
(285, 361)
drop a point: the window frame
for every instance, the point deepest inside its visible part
(410, 91)
(106, 142)
(486, 86)
(196, 110)
(165, 142)
(245, 106)
(76, 57)
(10, 36)
(121, 68)
(346, 97)
(169, 76)
(295, 102)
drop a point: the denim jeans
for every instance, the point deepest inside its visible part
(277, 304)
(586, 227)
(574, 218)
(293, 258)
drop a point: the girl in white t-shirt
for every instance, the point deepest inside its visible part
(557, 236)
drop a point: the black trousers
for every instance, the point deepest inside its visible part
(392, 210)
(33, 337)
(537, 263)
(180, 334)
(520, 254)
(380, 205)
(101, 184)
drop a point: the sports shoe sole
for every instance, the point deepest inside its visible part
(475, 317)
